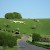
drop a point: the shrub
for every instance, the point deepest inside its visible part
(12, 31)
(45, 39)
(18, 36)
(33, 27)
(17, 29)
(12, 42)
(7, 39)
(35, 37)
(36, 20)
(0, 28)
(7, 25)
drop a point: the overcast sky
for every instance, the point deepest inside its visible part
(27, 8)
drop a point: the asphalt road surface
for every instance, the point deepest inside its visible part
(23, 45)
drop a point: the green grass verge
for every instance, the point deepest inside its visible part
(40, 45)
(8, 48)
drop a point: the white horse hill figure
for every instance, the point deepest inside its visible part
(17, 21)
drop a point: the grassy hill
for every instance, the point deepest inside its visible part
(43, 26)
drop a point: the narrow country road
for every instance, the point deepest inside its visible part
(23, 45)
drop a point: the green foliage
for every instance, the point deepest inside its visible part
(19, 36)
(7, 39)
(7, 25)
(35, 37)
(34, 27)
(9, 16)
(13, 15)
(17, 15)
(45, 39)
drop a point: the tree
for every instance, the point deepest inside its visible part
(17, 15)
(13, 15)
(9, 16)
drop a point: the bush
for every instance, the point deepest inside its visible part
(35, 37)
(33, 27)
(0, 28)
(45, 39)
(7, 39)
(7, 25)
(19, 36)
(36, 20)
(12, 31)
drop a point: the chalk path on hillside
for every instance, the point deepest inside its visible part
(23, 45)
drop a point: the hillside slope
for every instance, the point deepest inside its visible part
(43, 26)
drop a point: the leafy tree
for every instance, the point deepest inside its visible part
(17, 15)
(9, 16)
(13, 15)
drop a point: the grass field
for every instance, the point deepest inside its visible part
(14, 48)
(43, 26)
